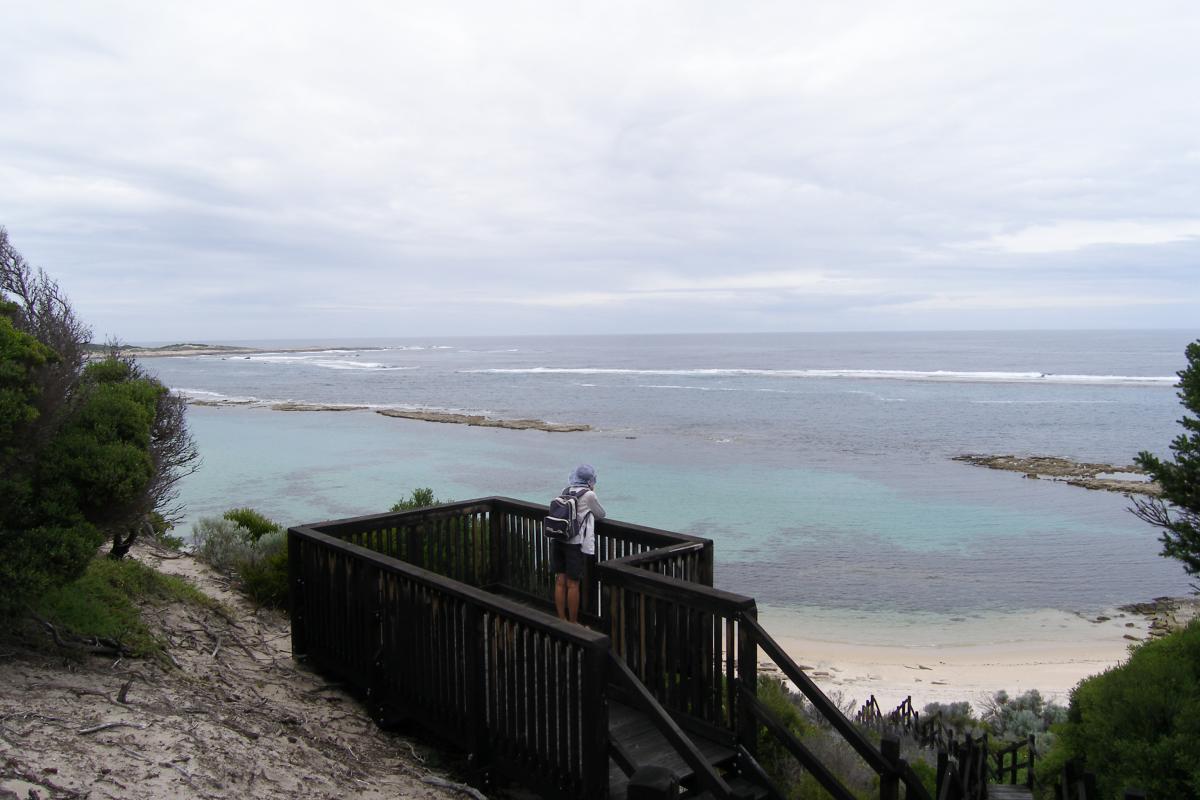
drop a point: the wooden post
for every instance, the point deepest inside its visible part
(889, 782)
(587, 588)
(1089, 786)
(943, 764)
(296, 594)
(1029, 779)
(706, 568)
(1066, 779)
(473, 665)
(594, 708)
(372, 584)
(495, 557)
(747, 672)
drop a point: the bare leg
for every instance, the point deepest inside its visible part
(572, 600)
(560, 594)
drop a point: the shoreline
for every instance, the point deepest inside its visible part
(1047, 650)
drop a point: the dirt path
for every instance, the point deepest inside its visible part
(237, 718)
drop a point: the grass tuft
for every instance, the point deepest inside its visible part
(105, 603)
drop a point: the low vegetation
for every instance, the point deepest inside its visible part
(1138, 724)
(420, 498)
(101, 611)
(249, 548)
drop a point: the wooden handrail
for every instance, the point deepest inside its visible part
(487, 600)
(683, 745)
(915, 790)
(654, 536)
(805, 756)
(823, 705)
(615, 573)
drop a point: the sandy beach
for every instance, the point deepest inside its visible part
(1050, 651)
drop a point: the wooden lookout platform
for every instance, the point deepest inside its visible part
(443, 616)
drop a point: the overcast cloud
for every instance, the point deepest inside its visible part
(251, 170)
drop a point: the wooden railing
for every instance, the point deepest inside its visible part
(522, 692)
(413, 609)
(884, 760)
(683, 641)
(962, 769)
(1008, 764)
(524, 554)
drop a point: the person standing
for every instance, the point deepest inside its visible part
(567, 559)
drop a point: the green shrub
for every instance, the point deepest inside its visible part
(785, 706)
(1016, 717)
(265, 575)
(420, 498)
(1138, 724)
(222, 544)
(103, 603)
(255, 524)
(959, 716)
(247, 546)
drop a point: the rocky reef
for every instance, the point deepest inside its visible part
(1126, 479)
(486, 422)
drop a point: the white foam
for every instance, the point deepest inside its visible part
(1042, 402)
(946, 376)
(320, 360)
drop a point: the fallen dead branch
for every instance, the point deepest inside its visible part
(109, 726)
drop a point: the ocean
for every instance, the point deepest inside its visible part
(821, 464)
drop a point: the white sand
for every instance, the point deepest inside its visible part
(1049, 651)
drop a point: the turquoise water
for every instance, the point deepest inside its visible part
(821, 465)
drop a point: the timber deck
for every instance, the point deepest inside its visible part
(432, 616)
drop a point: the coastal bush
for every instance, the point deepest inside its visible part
(1177, 512)
(420, 498)
(1138, 724)
(249, 547)
(89, 450)
(265, 575)
(103, 604)
(255, 524)
(958, 717)
(1016, 717)
(785, 705)
(222, 544)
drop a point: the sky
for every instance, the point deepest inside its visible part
(231, 170)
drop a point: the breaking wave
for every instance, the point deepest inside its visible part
(942, 376)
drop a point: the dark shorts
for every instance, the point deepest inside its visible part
(567, 558)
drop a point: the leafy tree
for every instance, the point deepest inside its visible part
(1138, 724)
(89, 450)
(1177, 512)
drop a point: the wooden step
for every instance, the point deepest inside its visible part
(1008, 791)
(646, 746)
(741, 786)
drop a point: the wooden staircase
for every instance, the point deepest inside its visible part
(634, 733)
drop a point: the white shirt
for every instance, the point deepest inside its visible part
(588, 507)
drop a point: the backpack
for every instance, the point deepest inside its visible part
(563, 522)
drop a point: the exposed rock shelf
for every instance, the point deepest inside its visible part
(1103, 477)
(477, 420)
(486, 422)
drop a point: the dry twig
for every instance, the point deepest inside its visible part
(109, 725)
